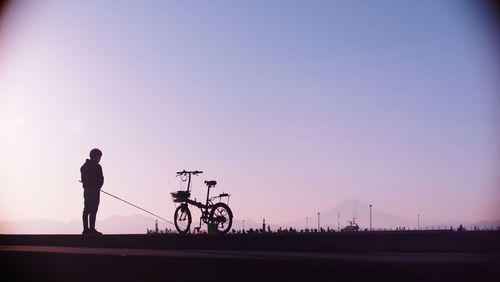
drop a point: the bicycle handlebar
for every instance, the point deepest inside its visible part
(189, 172)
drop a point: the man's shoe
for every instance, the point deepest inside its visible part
(93, 231)
(86, 231)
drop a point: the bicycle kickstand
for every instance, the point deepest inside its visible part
(198, 228)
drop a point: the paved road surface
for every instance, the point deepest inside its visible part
(267, 255)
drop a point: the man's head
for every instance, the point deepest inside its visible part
(95, 155)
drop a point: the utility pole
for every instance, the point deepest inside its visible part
(338, 221)
(371, 217)
(318, 222)
(418, 221)
(307, 226)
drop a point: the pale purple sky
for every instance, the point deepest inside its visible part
(292, 106)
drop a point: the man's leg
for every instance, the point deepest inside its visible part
(92, 217)
(93, 213)
(85, 214)
(85, 219)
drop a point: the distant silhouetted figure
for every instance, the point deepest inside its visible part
(92, 180)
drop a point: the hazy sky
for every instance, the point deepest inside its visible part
(292, 106)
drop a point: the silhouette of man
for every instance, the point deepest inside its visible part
(92, 180)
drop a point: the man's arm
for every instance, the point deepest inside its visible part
(100, 177)
(83, 176)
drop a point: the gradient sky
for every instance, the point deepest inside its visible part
(292, 106)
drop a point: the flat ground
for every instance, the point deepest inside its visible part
(388, 256)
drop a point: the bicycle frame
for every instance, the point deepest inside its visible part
(204, 208)
(212, 213)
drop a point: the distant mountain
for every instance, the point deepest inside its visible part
(40, 226)
(135, 224)
(138, 224)
(238, 225)
(349, 210)
(341, 214)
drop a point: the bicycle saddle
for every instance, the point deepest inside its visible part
(211, 183)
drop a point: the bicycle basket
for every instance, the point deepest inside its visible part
(180, 196)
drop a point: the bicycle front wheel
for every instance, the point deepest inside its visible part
(221, 218)
(182, 219)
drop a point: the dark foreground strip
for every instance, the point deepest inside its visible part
(268, 255)
(145, 265)
(364, 242)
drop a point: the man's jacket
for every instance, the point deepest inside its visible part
(92, 177)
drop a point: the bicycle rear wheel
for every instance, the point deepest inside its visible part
(182, 219)
(221, 218)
